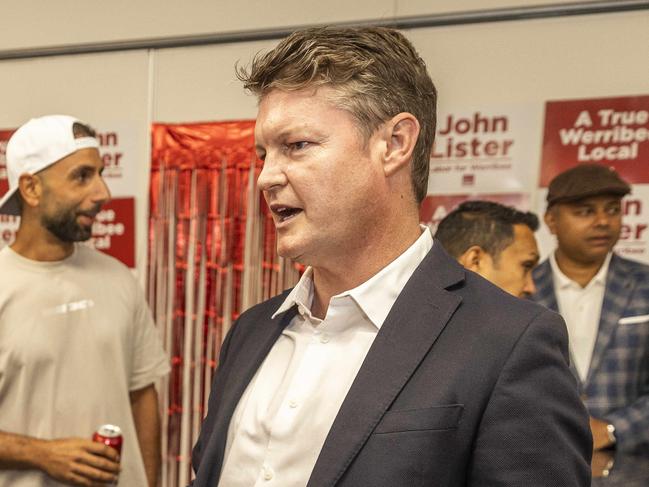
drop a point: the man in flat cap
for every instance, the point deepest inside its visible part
(78, 348)
(604, 299)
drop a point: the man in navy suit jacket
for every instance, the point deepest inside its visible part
(388, 364)
(604, 299)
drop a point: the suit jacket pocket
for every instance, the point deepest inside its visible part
(433, 418)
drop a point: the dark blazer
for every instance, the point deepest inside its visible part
(464, 385)
(617, 385)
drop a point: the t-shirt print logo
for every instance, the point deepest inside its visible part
(69, 307)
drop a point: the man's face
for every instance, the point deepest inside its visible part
(512, 269)
(321, 178)
(587, 229)
(73, 194)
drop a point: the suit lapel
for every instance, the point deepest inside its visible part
(409, 331)
(544, 283)
(546, 296)
(242, 369)
(619, 286)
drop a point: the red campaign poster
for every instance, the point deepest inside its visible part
(8, 228)
(634, 237)
(4, 138)
(609, 131)
(114, 230)
(8, 223)
(435, 207)
(484, 148)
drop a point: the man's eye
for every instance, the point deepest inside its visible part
(613, 210)
(298, 145)
(83, 176)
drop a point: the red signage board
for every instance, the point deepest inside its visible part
(5, 135)
(435, 207)
(114, 230)
(609, 131)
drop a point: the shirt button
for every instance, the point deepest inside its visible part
(292, 404)
(324, 338)
(268, 473)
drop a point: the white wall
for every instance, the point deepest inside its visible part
(199, 83)
(35, 23)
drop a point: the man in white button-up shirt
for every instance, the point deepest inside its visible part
(387, 364)
(604, 299)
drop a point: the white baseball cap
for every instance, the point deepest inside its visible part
(36, 145)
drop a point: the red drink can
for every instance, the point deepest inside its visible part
(110, 435)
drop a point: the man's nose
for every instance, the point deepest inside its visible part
(602, 218)
(530, 288)
(101, 192)
(272, 175)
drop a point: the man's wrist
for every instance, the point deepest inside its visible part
(38, 453)
(21, 452)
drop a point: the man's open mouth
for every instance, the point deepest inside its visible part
(284, 213)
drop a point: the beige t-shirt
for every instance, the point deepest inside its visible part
(75, 337)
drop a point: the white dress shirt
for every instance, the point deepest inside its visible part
(282, 419)
(581, 308)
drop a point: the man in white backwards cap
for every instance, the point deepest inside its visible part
(78, 347)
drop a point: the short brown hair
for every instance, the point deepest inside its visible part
(486, 224)
(376, 69)
(82, 130)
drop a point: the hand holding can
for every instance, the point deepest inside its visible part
(109, 435)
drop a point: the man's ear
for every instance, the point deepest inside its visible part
(550, 219)
(401, 134)
(472, 258)
(30, 188)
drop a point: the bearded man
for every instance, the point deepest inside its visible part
(78, 346)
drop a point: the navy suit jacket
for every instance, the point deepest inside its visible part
(617, 385)
(464, 385)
